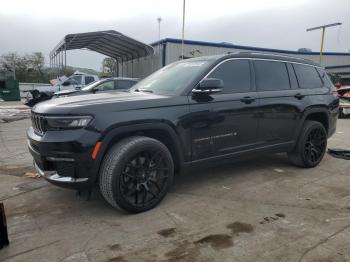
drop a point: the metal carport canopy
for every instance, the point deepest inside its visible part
(110, 43)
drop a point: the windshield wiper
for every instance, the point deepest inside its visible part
(143, 90)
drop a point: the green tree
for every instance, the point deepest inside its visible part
(108, 66)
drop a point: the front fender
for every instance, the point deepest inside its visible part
(109, 136)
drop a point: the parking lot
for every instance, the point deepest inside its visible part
(257, 210)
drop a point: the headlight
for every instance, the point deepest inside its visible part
(56, 123)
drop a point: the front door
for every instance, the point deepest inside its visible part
(225, 123)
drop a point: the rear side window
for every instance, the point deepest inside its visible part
(307, 76)
(235, 74)
(324, 77)
(89, 79)
(271, 76)
(105, 86)
(124, 84)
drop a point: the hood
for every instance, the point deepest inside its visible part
(66, 92)
(106, 102)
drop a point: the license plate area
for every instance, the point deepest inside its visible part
(346, 110)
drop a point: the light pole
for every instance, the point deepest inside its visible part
(183, 28)
(323, 27)
(159, 19)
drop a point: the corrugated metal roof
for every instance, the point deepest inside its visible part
(110, 43)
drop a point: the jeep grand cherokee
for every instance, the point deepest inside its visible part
(187, 114)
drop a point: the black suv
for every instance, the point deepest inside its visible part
(187, 114)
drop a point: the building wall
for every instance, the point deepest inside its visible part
(174, 54)
(144, 66)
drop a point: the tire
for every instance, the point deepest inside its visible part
(136, 174)
(341, 114)
(311, 145)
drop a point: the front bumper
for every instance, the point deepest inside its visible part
(54, 178)
(64, 158)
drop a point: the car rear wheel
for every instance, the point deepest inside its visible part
(136, 174)
(311, 145)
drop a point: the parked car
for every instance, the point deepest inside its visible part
(344, 103)
(189, 114)
(105, 85)
(75, 82)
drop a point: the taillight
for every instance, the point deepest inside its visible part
(333, 90)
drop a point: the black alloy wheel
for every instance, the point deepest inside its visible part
(311, 145)
(144, 178)
(136, 174)
(315, 146)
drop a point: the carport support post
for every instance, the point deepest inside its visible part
(65, 57)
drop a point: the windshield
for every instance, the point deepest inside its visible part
(92, 85)
(172, 79)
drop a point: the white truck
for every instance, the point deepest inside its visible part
(74, 82)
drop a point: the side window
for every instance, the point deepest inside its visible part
(235, 74)
(89, 79)
(271, 76)
(105, 86)
(292, 77)
(324, 77)
(75, 80)
(307, 76)
(124, 84)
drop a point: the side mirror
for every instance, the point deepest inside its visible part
(66, 83)
(209, 86)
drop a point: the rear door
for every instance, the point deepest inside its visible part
(281, 102)
(225, 123)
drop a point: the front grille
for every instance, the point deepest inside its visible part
(38, 123)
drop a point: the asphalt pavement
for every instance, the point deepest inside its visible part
(262, 209)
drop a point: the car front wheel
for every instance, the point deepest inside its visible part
(136, 174)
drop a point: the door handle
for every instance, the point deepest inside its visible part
(299, 96)
(247, 99)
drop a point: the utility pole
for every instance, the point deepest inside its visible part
(323, 27)
(159, 19)
(183, 29)
(14, 70)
